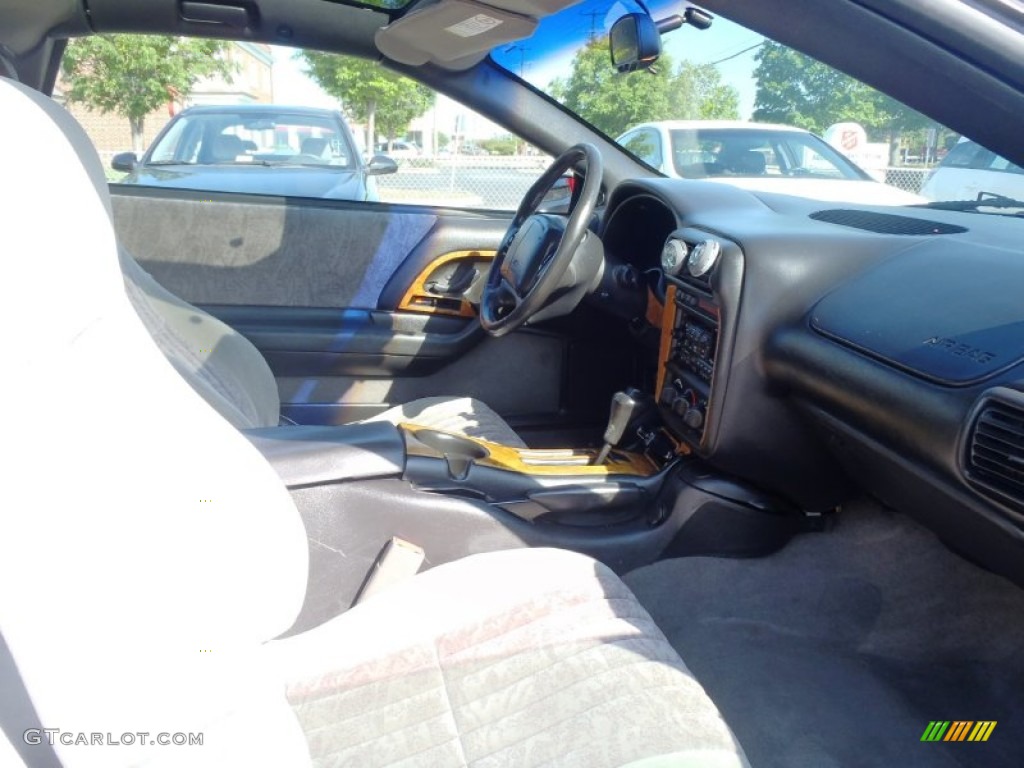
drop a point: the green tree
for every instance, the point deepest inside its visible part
(698, 93)
(131, 75)
(610, 101)
(384, 100)
(501, 145)
(797, 90)
(613, 102)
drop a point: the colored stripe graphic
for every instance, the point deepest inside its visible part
(958, 730)
(935, 730)
(982, 730)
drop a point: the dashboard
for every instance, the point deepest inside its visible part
(820, 350)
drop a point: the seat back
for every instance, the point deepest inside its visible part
(146, 548)
(748, 163)
(221, 364)
(313, 145)
(224, 149)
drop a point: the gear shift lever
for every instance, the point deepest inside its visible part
(624, 407)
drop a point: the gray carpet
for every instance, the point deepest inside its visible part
(839, 649)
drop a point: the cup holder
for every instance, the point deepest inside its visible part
(459, 452)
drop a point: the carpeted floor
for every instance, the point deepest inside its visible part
(839, 650)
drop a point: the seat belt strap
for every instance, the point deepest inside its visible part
(398, 561)
(18, 715)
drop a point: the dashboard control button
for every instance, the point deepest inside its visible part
(693, 418)
(680, 405)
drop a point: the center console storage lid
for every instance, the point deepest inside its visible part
(314, 455)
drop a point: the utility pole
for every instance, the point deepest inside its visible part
(522, 55)
(594, 16)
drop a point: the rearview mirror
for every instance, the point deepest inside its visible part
(635, 39)
(635, 42)
(124, 161)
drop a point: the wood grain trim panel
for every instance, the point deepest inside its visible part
(655, 310)
(560, 462)
(668, 319)
(418, 299)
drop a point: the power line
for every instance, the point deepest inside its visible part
(728, 50)
(738, 53)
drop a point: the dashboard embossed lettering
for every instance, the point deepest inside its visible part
(959, 349)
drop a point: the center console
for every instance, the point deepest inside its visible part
(690, 331)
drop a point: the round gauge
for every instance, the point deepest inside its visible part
(673, 256)
(703, 257)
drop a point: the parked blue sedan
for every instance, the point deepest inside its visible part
(257, 148)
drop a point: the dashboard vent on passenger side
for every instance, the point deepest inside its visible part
(885, 223)
(995, 451)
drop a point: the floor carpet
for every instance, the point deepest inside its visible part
(842, 647)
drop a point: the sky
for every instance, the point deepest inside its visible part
(292, 86)
(730, 47)
(557, 37)
(548, 54)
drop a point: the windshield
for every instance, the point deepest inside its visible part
(729, 105)
(267, 137)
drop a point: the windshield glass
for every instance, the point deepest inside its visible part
(268, 137)
(729, 105)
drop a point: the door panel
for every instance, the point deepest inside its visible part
(215, 248)
(351, 342)
(356, 306)
(518, 375)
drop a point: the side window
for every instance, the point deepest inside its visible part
(305, 124)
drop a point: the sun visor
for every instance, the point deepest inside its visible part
(451, 32)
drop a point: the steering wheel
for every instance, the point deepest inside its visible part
(537, 248)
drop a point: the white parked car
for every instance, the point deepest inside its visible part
(400, 149)
(758, 156)
(971, 172)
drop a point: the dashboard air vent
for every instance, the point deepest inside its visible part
(995, 453)
(885, 223)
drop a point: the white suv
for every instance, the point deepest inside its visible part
(970, 172)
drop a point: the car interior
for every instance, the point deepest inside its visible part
(683, 474)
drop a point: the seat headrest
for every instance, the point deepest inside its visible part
(225, 148)
(748, 163)
(313, 146)
(137, 527)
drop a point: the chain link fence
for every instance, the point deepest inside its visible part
(463, 181)
(907, 179)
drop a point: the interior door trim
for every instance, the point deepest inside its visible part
(418, 298)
